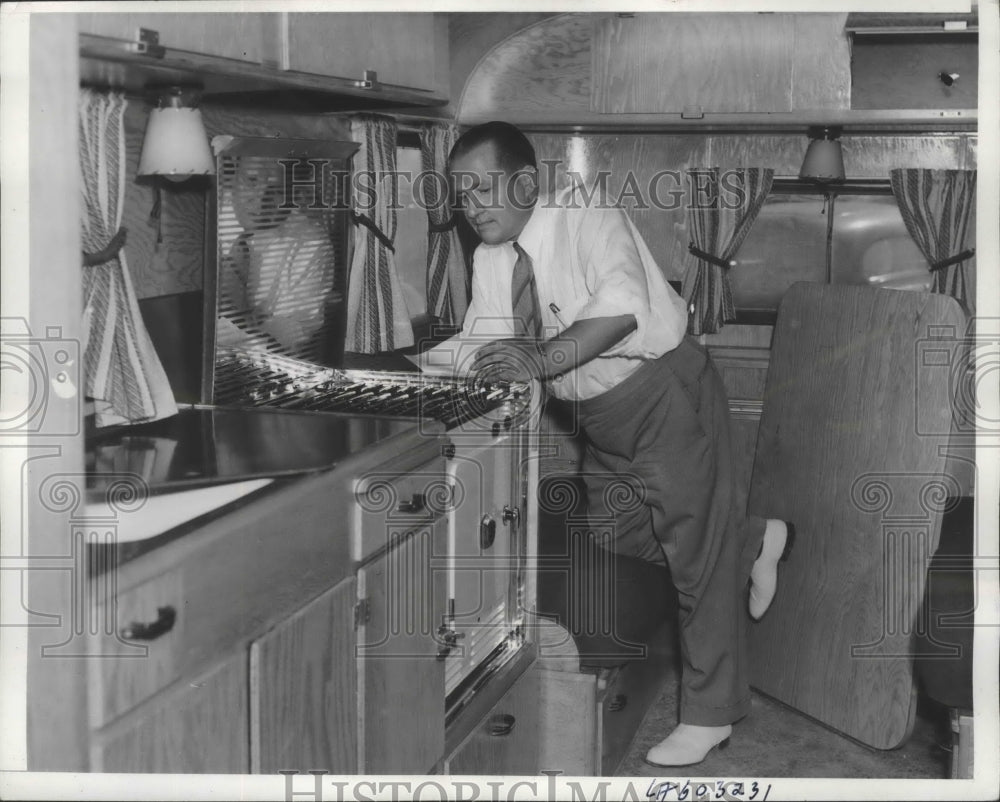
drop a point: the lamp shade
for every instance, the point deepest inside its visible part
(176, 145)
(824, 159)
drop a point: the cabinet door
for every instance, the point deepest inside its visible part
(303, 698)
(236, 36)
(669, 62)
(401, 677)
(506, 740)
(400, 47)
(198, 726)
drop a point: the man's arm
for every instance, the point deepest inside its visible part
(527, 359)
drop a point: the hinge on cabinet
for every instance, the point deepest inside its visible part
(369, 80)
(149, 43)
(362, 613)
(692, 113)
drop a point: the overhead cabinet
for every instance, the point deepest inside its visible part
(236, 36)
(706, 63)
(914, 61)
(400, 48)
(314, 62)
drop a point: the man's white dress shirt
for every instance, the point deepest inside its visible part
(589, 262)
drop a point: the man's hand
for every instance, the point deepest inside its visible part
(516, 359)
(522, 359)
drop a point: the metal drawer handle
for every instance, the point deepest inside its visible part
(165, 617)
(501, 725)
(618, 702)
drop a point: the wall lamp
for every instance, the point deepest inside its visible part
(824, 161)
(176, 145)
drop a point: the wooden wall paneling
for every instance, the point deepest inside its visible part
(199, 726)
(175, 264)
(471, 35)
(544, 66)
(52, 461)
(971, 147)
(303, 689)
(782, 152)
(632, 163)
(232, 35)
(665, 62)
(875, 156)
(841, 454)
(821, 62)
(221, 119)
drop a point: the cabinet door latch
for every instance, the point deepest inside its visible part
(362, 612)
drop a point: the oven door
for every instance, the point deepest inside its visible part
(483, 575)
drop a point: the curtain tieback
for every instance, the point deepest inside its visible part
(725, 264)
(953, 260)
(108, 252)
(367, 222)
(447, 225)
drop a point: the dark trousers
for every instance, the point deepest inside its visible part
(659, 475)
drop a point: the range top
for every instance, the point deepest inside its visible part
(203, 446)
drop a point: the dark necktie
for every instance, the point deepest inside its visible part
(524, 297)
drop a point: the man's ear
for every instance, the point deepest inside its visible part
(526, 186)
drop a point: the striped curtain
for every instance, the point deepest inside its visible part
(447, 279)
(938, 207)
(377, 318)
(123, 373)
(722, 208)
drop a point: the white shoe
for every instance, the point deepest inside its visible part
(779, 537)
(688, 744)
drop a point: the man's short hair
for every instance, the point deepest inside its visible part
(512, 148)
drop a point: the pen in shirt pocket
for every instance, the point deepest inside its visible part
(556, 310)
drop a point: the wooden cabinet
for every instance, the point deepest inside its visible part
(403, 48)
(401, 675)
(236, 36)
(706, 63)
(602, 709)
(506, 739)
(197, 725)
(303, 689)
(904, 72)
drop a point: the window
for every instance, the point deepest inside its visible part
(850, 234)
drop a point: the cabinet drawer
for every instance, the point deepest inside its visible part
(506, 740)
(389, 505)
(137, 651)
